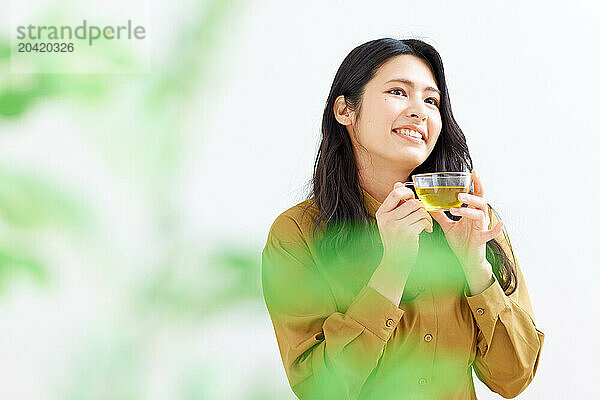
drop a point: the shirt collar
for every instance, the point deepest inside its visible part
(370, 203)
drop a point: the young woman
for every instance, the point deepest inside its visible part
(370, 295)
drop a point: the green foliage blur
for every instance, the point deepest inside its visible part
(142, 135)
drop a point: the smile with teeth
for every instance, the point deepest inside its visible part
(408, 132)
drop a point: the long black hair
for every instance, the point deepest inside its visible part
(335, 183)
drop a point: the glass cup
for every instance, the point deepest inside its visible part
(439, 190)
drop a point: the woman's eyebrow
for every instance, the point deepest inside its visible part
(411, 83)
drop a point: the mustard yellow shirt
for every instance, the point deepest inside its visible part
(341, 339)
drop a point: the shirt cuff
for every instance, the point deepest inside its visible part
(375, 312)
(486, 307)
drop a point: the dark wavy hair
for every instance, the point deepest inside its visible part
(335, 183)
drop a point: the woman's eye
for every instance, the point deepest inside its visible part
(435, 101)
(397, 90)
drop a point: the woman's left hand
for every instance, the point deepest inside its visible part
(468, 236)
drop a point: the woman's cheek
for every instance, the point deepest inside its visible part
(389, 111)
(435, 123)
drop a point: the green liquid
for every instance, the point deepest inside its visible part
(440, 197)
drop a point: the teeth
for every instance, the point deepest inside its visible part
(410, 133)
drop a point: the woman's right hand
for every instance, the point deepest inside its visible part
(400, 219)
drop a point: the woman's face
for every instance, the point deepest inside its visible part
(403, 92)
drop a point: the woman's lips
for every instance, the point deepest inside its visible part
(409, 138)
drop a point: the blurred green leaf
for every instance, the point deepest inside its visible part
(224, 278)
(30, 202)
(13, 264)
(13, 103)
(242, 266)
(4, 49)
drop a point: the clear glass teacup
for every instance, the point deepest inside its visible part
(439, 190)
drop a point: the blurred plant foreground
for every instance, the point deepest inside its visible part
(107, 292)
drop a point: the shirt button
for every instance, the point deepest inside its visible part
(480, 311)
(389, 323)
(421, 288)
(422, 381)
(428, 337)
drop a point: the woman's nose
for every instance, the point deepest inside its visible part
(418, 115)
(417, 110)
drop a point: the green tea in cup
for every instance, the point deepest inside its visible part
(439, 190)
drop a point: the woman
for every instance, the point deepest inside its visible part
(371, 296)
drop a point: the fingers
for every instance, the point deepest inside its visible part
(472, 200)
(406, 208)
(471, 213)
(477, 216)
(496, 230)
(420, 219)
(410, 207)
(399, 194)
(478, 185)
(442, 219)
(421, 224)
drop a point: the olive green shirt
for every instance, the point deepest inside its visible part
(341, 339)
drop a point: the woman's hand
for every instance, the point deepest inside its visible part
(400, 219)
(468, 236)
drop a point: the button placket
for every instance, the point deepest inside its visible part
(428, 310)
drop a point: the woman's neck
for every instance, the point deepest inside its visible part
(379, 182)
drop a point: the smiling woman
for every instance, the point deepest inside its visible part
(364, 303)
